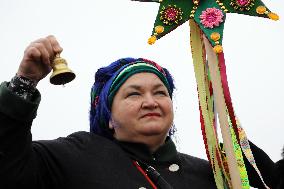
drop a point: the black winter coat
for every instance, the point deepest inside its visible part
(87, 161)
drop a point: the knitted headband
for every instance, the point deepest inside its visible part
(109, 79)
(132, 69)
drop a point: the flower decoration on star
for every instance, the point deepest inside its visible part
(211, 17)
(171, 15)
(242, 5)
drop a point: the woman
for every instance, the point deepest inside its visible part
(129, 145)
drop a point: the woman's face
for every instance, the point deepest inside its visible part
(142, 110)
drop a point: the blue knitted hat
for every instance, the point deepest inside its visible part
(107, 82)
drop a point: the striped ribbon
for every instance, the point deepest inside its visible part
(207, 116)
(213, 95)
(247, 151)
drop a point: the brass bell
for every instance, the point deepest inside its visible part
(61, 73)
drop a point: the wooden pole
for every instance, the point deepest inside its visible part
(222, 115)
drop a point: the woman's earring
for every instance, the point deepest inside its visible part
(112, 124)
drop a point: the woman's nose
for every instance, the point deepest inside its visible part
(149, 102)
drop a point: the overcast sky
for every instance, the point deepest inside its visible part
(94, 33)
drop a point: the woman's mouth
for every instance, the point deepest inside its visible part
(152, 114)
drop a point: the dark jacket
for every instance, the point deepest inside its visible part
(280, 166)
(85, 160)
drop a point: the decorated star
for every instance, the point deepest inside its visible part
(207, 18)
(210, 16)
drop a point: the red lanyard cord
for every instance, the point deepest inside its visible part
(145, 175)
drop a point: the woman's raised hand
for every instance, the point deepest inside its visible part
(38, 56)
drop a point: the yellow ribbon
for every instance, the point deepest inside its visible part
(205, 100)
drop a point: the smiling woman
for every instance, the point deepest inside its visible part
(129, 144)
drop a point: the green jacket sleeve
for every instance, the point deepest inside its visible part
(17, 159)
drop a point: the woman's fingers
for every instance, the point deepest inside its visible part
(44, 55)
(48, 48)
(38, 56)
(55, 45)
(32, 52)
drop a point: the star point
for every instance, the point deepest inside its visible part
(210, 15)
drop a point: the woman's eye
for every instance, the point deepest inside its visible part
(133, 94)
(164, 93)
